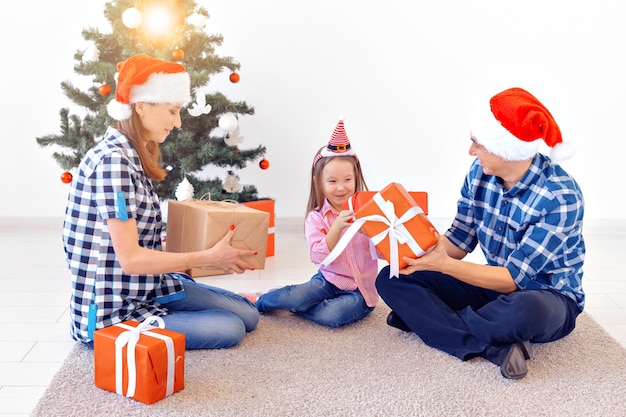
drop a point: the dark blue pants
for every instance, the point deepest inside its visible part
(464, 320)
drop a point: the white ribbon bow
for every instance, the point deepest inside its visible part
(397, 232)
(130, 338)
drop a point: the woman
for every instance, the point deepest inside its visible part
(113, 224)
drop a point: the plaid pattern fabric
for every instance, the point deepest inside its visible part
(110, 183)
(533, 229)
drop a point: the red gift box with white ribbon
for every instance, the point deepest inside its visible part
(395, 223)
(139, 361)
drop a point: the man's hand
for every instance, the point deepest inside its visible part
(433, 260)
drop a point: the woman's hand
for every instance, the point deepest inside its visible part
(135, 259)
(225, 257)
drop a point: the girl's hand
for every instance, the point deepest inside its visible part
(345, 218)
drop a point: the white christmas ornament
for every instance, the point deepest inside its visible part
(228, 122)
(184, 190)
(197, 20)
(132, 18)
(233, 138)
(231, 184)
(199, 107)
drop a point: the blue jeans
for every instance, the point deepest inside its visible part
(464, 320)
(317, 300)
(210, 317)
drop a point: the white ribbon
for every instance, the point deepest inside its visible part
(130, 338)
(397, 232)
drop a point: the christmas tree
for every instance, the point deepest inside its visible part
(170, 30)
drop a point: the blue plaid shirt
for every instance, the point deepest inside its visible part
(534, 229)
(110, 183)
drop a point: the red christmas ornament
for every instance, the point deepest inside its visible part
(264, 163)
(104, 90)
(234, 78)
(66, 177)
(178, 54)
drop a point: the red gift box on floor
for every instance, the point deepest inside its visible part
(139, 361)
(268, 206)
(395, 223)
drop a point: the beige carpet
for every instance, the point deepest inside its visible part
(289, 367)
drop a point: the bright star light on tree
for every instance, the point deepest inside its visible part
(158, 20)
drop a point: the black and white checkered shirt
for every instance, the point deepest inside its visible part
(110, 183)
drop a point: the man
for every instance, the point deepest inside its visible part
(526, 214)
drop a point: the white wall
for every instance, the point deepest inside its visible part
(401, 72)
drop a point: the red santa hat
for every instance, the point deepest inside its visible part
(144, 78)
(515, 126)
(339, 144)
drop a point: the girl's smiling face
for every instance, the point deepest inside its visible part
(338, 182)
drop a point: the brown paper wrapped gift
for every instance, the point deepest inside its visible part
(195, 225)
(266, 205)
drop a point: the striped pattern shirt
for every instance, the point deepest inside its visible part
(110, 183)
(534, 229)
(354, 267)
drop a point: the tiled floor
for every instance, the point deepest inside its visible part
(34, 338)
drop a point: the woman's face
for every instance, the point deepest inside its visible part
(159, 119)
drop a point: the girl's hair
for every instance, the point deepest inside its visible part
(148, 150)
(316, 194)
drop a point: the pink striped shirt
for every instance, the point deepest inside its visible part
(354, 267)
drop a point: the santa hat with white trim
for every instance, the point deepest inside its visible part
(339, 144)
(144, 78)
(515, 126)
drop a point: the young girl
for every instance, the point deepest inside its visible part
(344, 291)
(112, 228)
